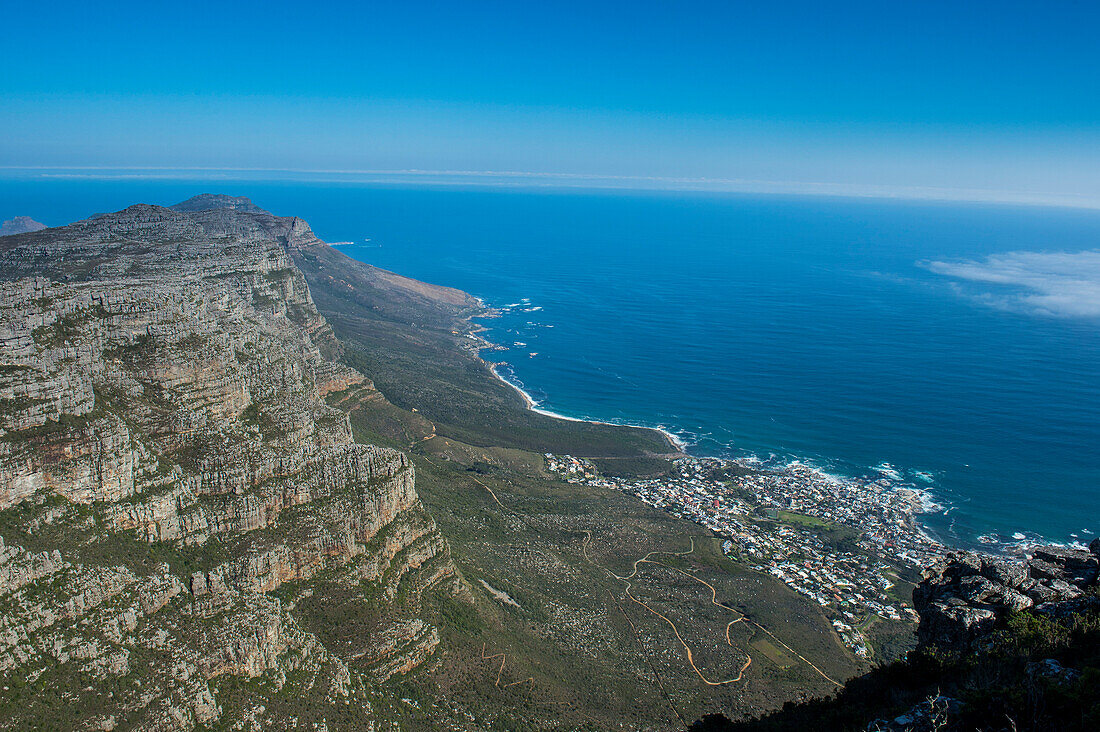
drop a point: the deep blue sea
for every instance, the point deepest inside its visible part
(790, 327)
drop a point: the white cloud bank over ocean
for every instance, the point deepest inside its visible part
(514, 178)
(1064, 284)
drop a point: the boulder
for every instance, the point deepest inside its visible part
(1077, 566)
(953, 625)
(963, 565)
(1004, 572)
(1040, 569)
(1064, 590)
(963, 596)
(1049, 668)
(977, 590)
(1042, 593)
(1013, 601)
(928, 716)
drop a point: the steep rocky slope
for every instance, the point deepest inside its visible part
(175, 491)
(192, 538)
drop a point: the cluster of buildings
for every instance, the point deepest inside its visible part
(571, 468)
(880, 508)
(778, 522)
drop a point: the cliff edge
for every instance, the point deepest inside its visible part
(175, 492)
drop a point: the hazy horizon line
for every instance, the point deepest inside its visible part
(512, 178)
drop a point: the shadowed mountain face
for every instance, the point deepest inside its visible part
(175, 491)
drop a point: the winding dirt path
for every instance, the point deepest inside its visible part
(676, 630)
(803, 658)
(491, 493)
(714, 601)
(647, 559)
(503, 659)
(649, 661)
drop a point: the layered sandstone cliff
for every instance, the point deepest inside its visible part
(174, 490)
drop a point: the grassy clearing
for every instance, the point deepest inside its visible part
(801, 519)
(772, 652)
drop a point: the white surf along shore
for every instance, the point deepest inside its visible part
(920, 499)
(487, 311)
(532, 404)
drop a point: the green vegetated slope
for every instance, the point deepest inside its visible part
(552, 639)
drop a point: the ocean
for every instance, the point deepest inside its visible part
(951, 346)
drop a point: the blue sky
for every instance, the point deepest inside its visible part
(995, 97)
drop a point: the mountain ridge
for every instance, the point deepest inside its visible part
(164, 385)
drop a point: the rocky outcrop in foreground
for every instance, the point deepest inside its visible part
(177, 498)
(1004, 645)
(961, 599)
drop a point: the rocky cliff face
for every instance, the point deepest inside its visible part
(175, 493)
(961, 599)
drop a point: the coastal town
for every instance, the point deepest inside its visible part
(831, 539)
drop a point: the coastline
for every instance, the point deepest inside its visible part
(675, 442)
(917, 500)
(678, 445)
(913, 500)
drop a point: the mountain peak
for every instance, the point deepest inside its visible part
(210, 201)
(20, 225)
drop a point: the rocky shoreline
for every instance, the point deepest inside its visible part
(479, 343)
